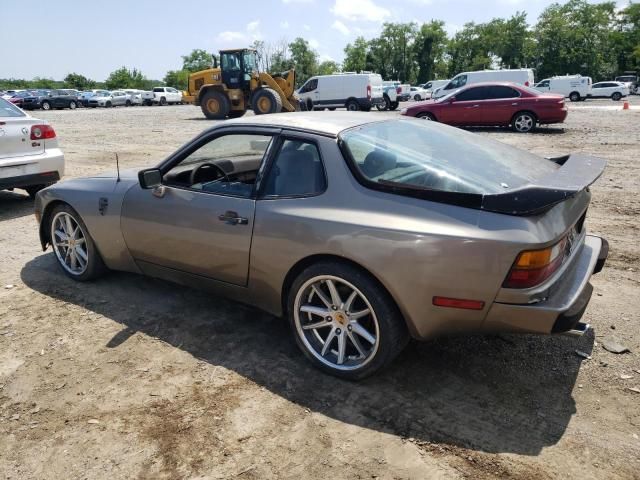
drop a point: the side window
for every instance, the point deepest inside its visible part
(478, 93)
(310, 86)
(226, 165)
(498, 91)
(297, 170)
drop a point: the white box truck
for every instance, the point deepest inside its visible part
(522, 76)
(353, 91)
(576, 87)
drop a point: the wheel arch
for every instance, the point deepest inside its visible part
(44, 232)
(206, 88)
(305, 262)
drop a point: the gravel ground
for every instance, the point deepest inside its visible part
(129, 377)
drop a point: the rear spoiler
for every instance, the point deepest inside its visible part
(576, 173)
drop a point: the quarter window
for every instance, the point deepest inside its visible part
(296, 171)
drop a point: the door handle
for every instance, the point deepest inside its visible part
(232, 218)
(474, 106)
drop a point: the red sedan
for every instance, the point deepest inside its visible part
(493, 104)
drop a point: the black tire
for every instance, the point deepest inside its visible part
(73, 105)
(108, 104)
(236, 113)
(524, 122)
(426, 116)
(308, 105)
(393, 105)
(265, 101)
(148, 103)
(616, 96)
(574, 97)
(417, 98)
(384, 106)
(163, 101)
(215, 105)
(352, 105)
(366, 109)
(127, 103)
(46, 105)
(392, 331)
(332, 109)
(95, 266)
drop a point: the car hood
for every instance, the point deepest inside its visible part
(99, 97)
(126, 174)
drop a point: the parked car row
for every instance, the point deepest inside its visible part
(72, 99)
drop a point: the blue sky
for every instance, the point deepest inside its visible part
(51, 39)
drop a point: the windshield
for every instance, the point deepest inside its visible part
(422, 154)
(8, 109)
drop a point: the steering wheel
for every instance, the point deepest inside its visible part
(193, 179)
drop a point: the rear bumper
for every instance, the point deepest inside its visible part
(43, 178)
(556, 117)
(565, 304)
(41, 169)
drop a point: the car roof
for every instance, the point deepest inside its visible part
(326, 123)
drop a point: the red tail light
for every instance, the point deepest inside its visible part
(369, 92)
(532, 267)
(526, 84)
(398, 90)
(42, 132)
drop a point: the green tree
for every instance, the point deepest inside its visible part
(400, 38)
(355, 55)
(304, 58)
(626, 38)
(429, 50)
(125, 78)
(177, 79)
(197, 60)
(576, 37)
(79, 82)
(328, 67)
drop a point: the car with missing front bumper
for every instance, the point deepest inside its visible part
(363, 232)
(29, 155)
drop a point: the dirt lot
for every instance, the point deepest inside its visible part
(129, 377)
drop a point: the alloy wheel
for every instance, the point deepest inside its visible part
(336, 323)
(69, 243)
(523, 123)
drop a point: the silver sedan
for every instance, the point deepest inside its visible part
(363, 232)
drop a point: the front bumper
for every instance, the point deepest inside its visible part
(566, 303)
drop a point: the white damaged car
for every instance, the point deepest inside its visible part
(29, 155)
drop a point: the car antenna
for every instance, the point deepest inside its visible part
(117, 168)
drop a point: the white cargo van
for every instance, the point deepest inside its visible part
(523, 76)
(353, 91)
(576, 87)
(433, 85)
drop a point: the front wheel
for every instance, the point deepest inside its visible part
(524, 122)
(426, 116)
(574, 97)
(383, 106)
(417, 98)
(73, 247)
(393, 105)
(616, 96)
(73, 105)
(344, 321)
(46, 106)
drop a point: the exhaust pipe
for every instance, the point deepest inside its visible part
(579, 330)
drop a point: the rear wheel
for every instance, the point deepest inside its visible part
(344, 321)
(163, 101)
(426, 116)
(267, 100)
(215, 105)
(73, 105)
(352, 106)
(46, 105)
(331, 109)
(524, 122)
(616, 96)
(384, 106)
(127, 103)
(417, 98)
(73, 247)
(393, 105)
(574, 97)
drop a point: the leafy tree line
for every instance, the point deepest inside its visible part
(575, 37)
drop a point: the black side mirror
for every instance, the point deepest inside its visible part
(150, 178)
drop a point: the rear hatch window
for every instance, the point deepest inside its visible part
(420, 154)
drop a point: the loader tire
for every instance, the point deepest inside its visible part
(215, 105)
(266, 100)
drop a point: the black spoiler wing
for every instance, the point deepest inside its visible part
(576, 173)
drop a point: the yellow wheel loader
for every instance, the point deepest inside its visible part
(229, 90)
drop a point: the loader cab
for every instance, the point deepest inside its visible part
(237, 66)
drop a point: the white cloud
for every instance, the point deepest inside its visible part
(297, 1)
(284, 25)
(360, 10)
(341, 27)
(306, 27)
(253, 26)
(314, 43)
(229, 37)
(326, 58)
